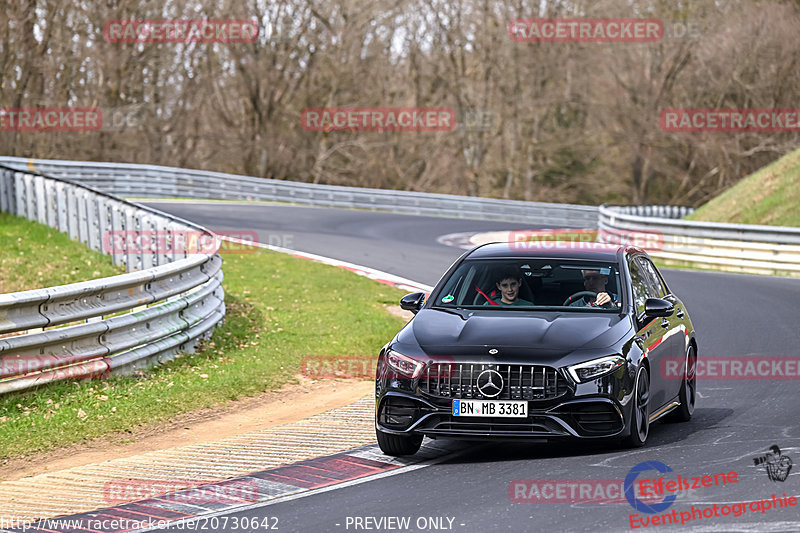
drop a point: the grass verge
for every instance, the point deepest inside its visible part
(33, 256)
(280, 308)
(769, 196)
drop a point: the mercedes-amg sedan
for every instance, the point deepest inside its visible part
(542, 340)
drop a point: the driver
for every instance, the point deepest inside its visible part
(595, 281)
(508, 283)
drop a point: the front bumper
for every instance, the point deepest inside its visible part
(597, 417)
(557, 406)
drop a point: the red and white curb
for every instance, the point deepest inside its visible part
(267, 487)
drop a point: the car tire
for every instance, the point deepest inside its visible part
(640, 415)
(688, 393)
(396, 445)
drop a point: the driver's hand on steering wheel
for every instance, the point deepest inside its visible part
(602, 298)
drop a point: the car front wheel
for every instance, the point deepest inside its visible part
(688, 393)
(396, 445)
(640, 417)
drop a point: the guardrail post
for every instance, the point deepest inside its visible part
(133, 259)
(39, 201)
(82, 200)
(93, 222)
(19, 194)
(118, 257)
(6, 189)
(73, 217)
(30, 197)
(163, 253)
(62, 210)
(148, 239)
(50, 203)
(178, 236)
(104, 224)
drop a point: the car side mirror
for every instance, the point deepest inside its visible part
(658, 307)
(412, 302)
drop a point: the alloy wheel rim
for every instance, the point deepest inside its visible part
(642, 398)
(691, 380)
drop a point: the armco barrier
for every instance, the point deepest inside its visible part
(733, 247)
(167, 182)
(162, 306)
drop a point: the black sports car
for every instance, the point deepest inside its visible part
(538, 341)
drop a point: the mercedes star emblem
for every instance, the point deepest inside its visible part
(490, 383)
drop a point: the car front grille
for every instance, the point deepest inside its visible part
(520, 382)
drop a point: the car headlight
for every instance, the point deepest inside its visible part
(595, 368)
(404, 364)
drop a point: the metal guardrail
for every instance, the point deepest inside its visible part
(169, 301)
(773, 250)
(165, 182)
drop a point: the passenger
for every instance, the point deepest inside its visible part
(595, 281)
(508, 283)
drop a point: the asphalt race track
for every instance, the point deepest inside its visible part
(735, 420)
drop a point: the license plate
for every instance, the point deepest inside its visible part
(494, 408)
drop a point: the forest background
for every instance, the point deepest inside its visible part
(557, 122)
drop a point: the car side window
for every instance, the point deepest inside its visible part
(659, 289)
(639, 285)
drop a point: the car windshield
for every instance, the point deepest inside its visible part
(566, 285)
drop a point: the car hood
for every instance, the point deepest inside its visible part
(513, 333)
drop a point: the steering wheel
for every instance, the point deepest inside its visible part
(579, 294)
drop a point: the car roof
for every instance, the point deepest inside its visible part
(590, 251)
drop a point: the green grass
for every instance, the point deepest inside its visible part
(33, 256)
(769, 196)
(280, 308)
